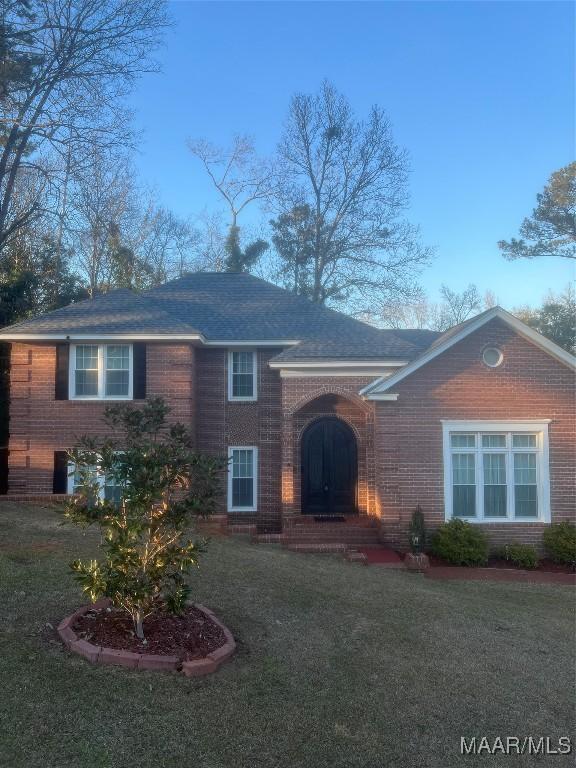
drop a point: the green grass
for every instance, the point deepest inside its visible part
(338, 666)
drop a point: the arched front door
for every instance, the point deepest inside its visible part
(329, 468)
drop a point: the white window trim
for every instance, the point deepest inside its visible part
(101, 373)
(100, 479)
(254, 396)
(254, 449)
(540, 428)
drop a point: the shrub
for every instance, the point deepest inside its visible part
(460, 543)
(560, 542)
(158, 484)
(522, 555)
(417, 531)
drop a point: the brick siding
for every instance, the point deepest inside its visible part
(40, 425)
(304, 400)
(400, 462)
(222, 423)
(529, 384)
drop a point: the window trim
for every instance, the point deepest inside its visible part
(101, 372)
(100, 479)
(499, 352)
(242, 398)
(254, 506)
(538, 427)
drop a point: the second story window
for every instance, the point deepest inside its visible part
(242, 375)
(101, 371)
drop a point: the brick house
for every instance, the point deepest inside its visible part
(323, 418)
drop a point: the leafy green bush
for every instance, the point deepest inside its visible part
(142, 488)
(460, 543)
(522, 555)
(560, 542)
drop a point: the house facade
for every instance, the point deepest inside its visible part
(322, 417)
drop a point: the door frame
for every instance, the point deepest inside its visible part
(304, 469)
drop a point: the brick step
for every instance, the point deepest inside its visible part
(307, 530)
(356, 540)
(327, 530)
(326, 527)
(237, 529)
(268, 538)
(362, 521)
(332, 548)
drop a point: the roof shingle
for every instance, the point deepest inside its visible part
(222, 306)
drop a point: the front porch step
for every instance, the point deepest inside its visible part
(357, 536)
(325, 548)
(352, 541)
(350, 521)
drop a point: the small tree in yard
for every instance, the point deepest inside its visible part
(156, 484)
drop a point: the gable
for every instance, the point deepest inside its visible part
(462, 337)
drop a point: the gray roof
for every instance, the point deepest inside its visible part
(222, 306)
(117, 312)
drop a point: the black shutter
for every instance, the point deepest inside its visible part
(62, 373)
(139, 372)
(60, 482)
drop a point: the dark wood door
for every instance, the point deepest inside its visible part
(329, 468)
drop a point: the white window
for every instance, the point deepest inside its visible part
(242, 479)
(496, 471)
(101, 372)
(242, 375)
(108, 488)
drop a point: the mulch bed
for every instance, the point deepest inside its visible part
(381, 555)
(191, 636)
(544, 565)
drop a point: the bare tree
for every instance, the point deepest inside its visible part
(241, 178)
(416, 313)
(457, 307)
(353, 179)
(102, 205)
(211, 251)
(118, 232)
(420, 312)
(80, 58)
(167, 244)
(238, 174)
(490, 299)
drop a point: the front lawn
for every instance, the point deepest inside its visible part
(338, 665)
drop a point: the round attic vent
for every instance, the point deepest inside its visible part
(492, 357)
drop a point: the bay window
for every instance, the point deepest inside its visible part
(496, 471)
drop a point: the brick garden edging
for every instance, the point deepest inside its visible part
(120, 658)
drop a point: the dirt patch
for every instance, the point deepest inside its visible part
(191, 636)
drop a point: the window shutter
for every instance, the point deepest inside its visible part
(62, 371)
(60, 483)
(139, 372)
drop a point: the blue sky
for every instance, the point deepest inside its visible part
(481, 94)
